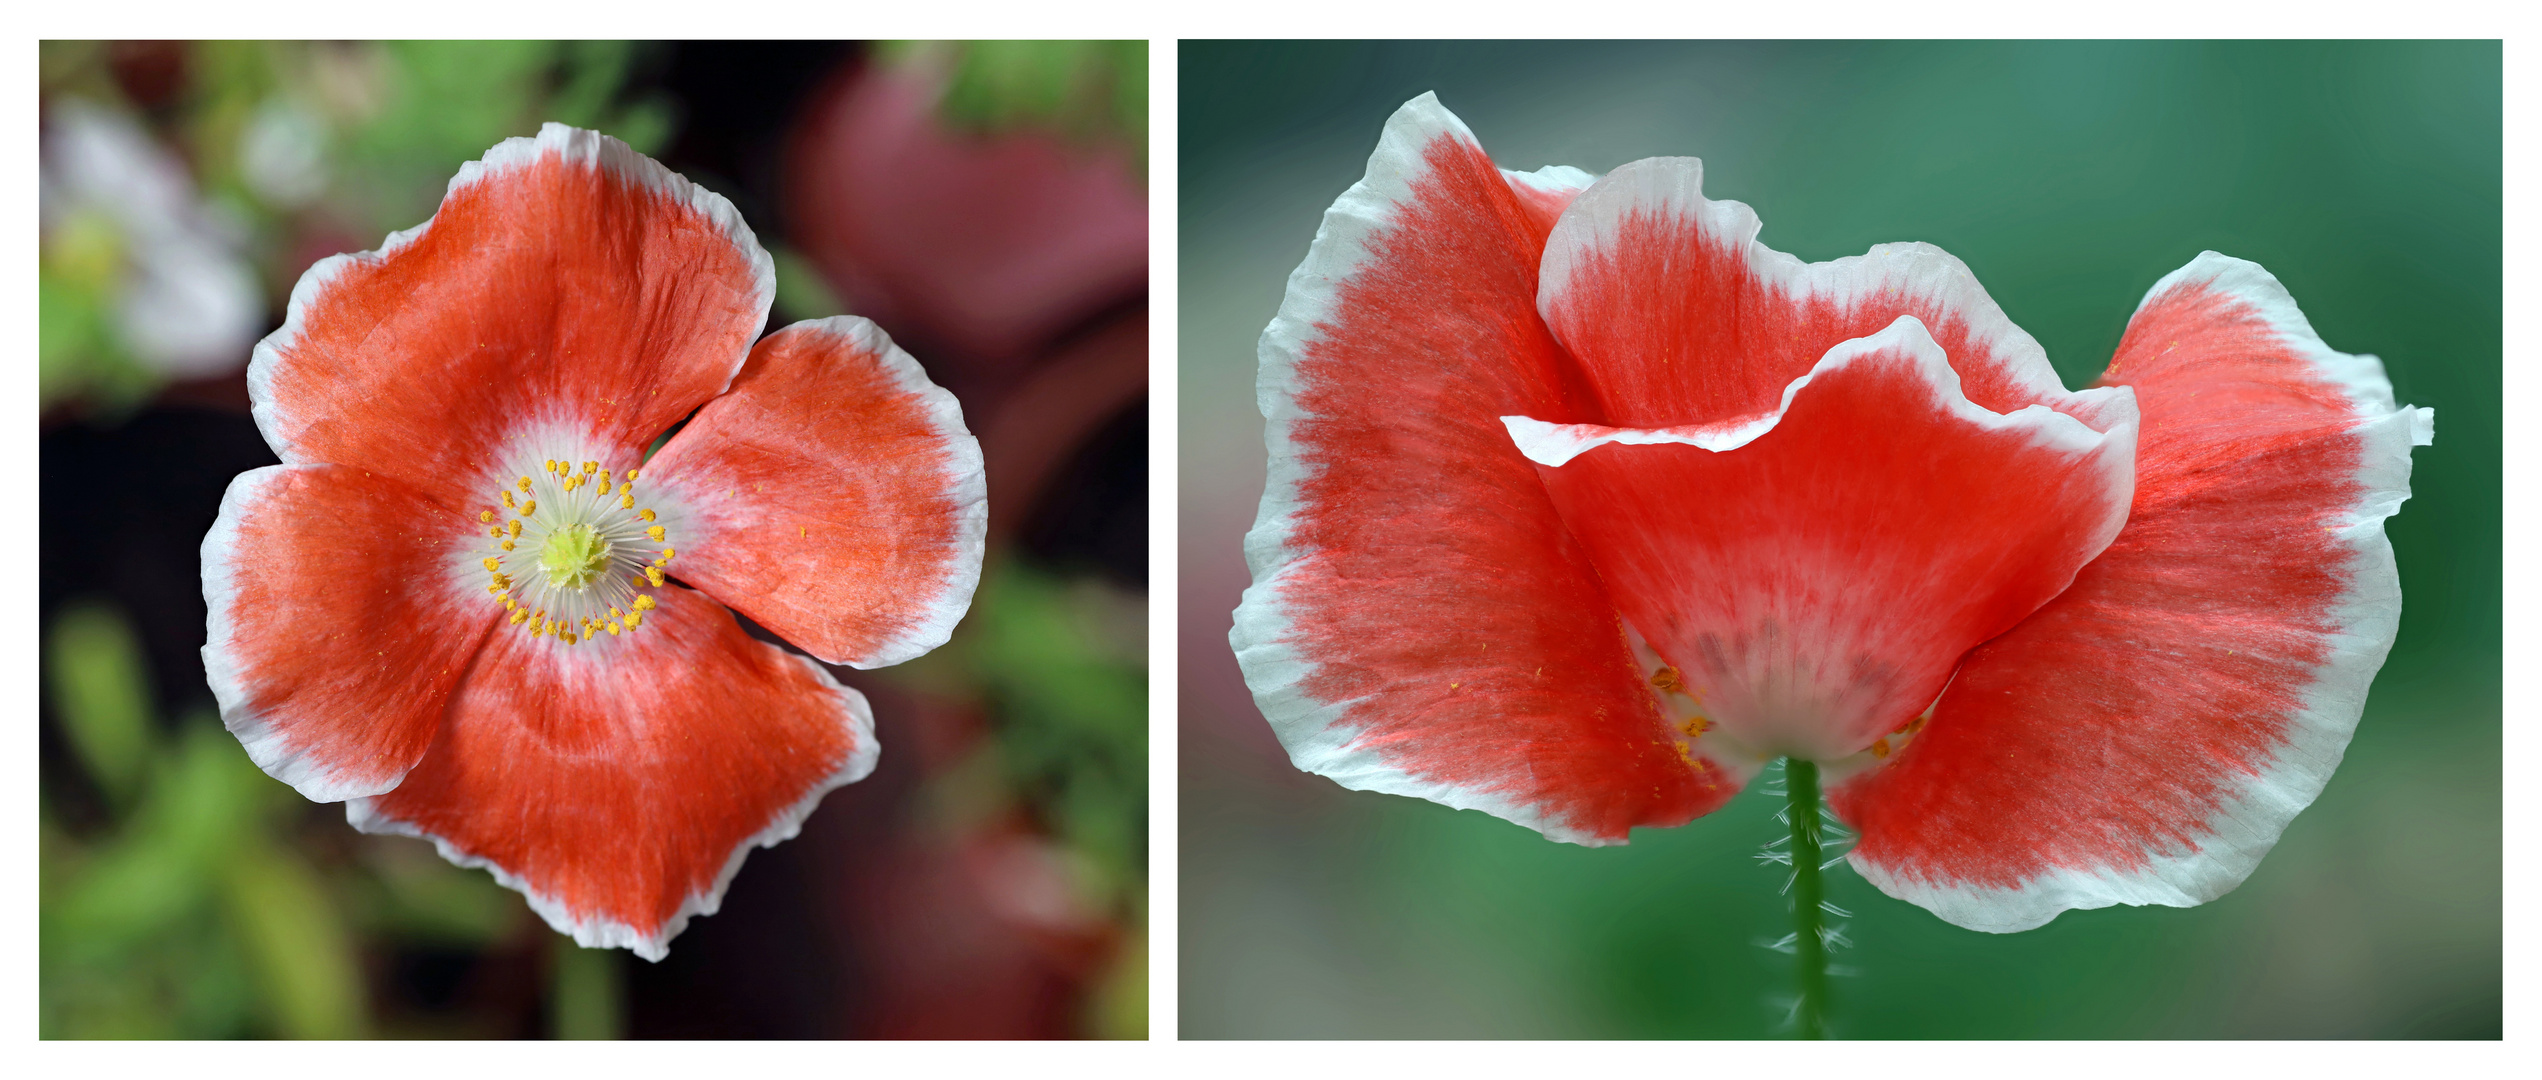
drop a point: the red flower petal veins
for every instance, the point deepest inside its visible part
(339, 622)
(1813, 579)
(567, 283)
(619, 789)
(2146, 737)
(833, 495)
(1420, 623)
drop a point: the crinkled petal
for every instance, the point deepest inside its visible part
(2145, 737)
(567, 284)
(832, 495)
(1419, 622)
(618, 784)
(338, 625)
(1680, 317)
(1814, 578)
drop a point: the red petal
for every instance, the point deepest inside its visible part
(339, 623)
(1419, 622)
(1815, 577)
(832, 495)
(1680, 317)
(619, 784)
(2146, 736)
(565, 280)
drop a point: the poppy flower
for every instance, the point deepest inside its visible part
(1583, 506)
(471, 606)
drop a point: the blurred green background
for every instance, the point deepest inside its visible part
(2069, 176)
(988, 880)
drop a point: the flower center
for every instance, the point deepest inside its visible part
(599, 556)
(573, 556)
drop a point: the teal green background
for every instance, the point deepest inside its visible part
(2069, 176)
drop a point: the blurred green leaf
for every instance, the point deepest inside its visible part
(101, 691)
(1065, 663)
(802, 293)
(302, 954)
(1085, 90)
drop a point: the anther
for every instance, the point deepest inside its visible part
(518, 615)
(508, 504)
(646, 514)
(631, 474)
(635, 619)
(514, 528)
(614, 629)
(655, 532)
(670, 553)
(484, 516)
(644, 603)
(524, 485)
(507, 545)
(654, 575)
(492, 564)
(530, 508)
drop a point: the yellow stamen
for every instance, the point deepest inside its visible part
(530, 508)
(626, 502)
(654, 532)
(654, 575)
(670, 553)
(646, 514)
(643, 603)
(604, 481)
(551, 465)
(518, 615)
(493, 564)
(484, 516)
(514, 528)
(524, 485)
(614, 629)
(635, 619)
(631, 474)
(508, 504)
(507, 545)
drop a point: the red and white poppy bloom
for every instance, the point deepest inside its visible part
(453, 605)
(1583, 506)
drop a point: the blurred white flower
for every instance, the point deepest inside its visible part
(186, 302)
(283, 153)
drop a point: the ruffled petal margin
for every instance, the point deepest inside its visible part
(338, 625)
(833, 495)
(1814, 578)
(619, 788)
(1680, 317)
(565, 280)
(1419, 622)
(2147, 736)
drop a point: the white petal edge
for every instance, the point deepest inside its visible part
(1554, 445)
(1313, 731)
(227, 677)
(574, 146)
(598, 932)
(967, 486)
(2249, 823)
(1675, 185)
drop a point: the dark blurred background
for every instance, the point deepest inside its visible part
(2070, 177)
(984, 202)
